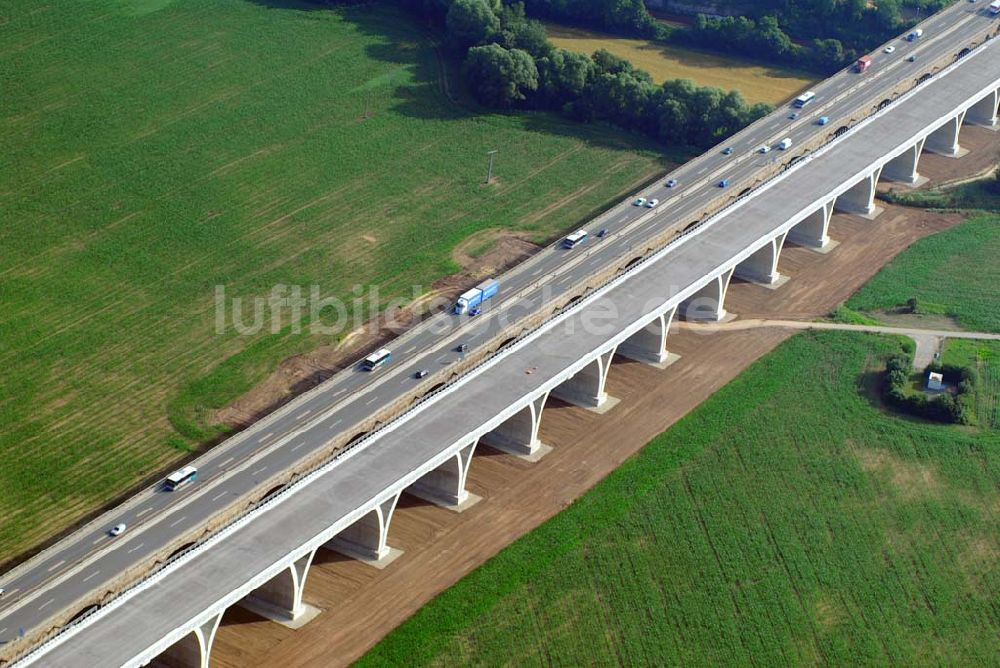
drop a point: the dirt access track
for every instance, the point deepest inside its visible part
(360, 604)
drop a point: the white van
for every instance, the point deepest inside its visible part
(785, 143)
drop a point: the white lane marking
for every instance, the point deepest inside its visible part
(221, 464)
(13, 591)
(260, 470)
(45, 604)
(135, 548)
(297, 446)
(371, 401)
(409, 350)
(177, 521)
(266, 436)
(441, 359)
(143, 511)
(303, 414)
(3, 629)
(56, 565)
(92, 575)
(219, 495)
(99, 539)
(536, 272)
(339, 392)
(338, 421)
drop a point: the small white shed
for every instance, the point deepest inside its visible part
(935, 381)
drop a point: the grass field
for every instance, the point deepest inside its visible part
(758, 83)
(787, 520)
(954, 272)
(154, 149)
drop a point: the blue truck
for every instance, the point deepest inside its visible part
(470, 300)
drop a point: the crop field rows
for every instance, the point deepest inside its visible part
(788, 519)
(155, 150)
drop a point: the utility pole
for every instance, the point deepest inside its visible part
(489, 170)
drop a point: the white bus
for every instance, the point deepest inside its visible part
(377, 359)
(181, 477)
(575, 239)
(804, 99)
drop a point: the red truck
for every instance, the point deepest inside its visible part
(864, 62)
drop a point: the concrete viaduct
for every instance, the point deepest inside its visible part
(262, 561)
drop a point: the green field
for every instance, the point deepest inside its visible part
(757, 82)
(954, 272)
(787, 520)
(154, 149)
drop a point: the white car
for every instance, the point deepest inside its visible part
(764, 149)
(639, 202)
(889, 49)
(117, 530)
(651, 203)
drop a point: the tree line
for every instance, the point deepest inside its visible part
(508, 62)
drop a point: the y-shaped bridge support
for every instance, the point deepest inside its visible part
(586, 387)
(762, 265)
(193, 650)
(445, 485)
(367, 539)
(944, 140)
(860, 199)
(709, 302)
(813, 231)
(518, 435)
(985, 111)
(649, 344)
(903, 168)
(280, 598)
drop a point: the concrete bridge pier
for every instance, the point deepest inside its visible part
(985, 111)
(445, 485)
(709, 302)
(586, 387)
(860, 199)
(762, 265)
(903, 168)
(813, 231)
(193, 650)
(280, 598)
(367, 538)
(944, 140)
(518, 435)
(649, 344)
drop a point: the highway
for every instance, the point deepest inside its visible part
(62, 579)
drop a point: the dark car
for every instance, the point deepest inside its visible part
(603, 232)
(420, 374)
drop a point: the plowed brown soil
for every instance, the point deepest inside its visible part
(361, 604)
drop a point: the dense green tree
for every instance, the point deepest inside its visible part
(562, 77)
(470, 22)
(500, 76)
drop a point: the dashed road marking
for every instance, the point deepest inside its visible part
(56, 565)
(260, 470)
(266, 436)
(297, 446)
(42, 606)
(371, 401)
(98, 539)
(143, 511)
(177, 521)
(135, 548)
(303, 414)
(221, 464)
(335, 423)
(219, 495)
(92, 575)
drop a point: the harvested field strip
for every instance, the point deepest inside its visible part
(758, 83)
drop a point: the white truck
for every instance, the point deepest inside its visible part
(785, 143)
